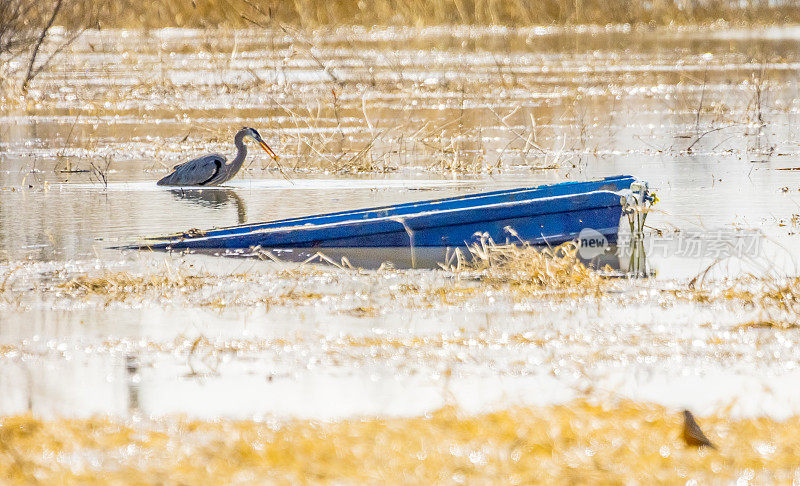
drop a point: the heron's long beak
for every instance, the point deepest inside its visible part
(268, 150)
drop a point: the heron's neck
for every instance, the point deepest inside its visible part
(241, 148)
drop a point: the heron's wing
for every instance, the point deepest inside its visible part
(200, 159)
(195, 172)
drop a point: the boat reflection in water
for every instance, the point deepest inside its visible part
(626, 259)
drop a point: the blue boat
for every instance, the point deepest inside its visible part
(543, 215)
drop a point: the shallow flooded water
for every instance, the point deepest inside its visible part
(372, 117)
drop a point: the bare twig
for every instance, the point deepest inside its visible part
(31, 73)
(689, 148)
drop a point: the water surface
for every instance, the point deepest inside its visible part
(707, 117)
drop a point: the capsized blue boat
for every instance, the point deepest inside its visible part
(543, 215)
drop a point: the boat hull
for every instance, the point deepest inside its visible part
(545, 215)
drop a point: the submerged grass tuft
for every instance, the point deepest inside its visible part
(201, 288)
(770, 324)
(782, 294)
(777, 299)
(125, 283)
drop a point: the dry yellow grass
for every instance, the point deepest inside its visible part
(782, 294)
(528, 270)
(777, 297)
(122, 284)
(314, 13)
(576, 443)
(169, 282)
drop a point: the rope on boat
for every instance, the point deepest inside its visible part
(636, 204)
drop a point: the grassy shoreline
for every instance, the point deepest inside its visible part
(581, 441)
(317, 13)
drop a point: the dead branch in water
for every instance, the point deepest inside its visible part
(31, 73)
(26, 24)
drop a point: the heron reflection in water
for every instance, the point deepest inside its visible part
(214, 169)
(214, 198)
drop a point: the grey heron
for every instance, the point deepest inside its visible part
(214, 169)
